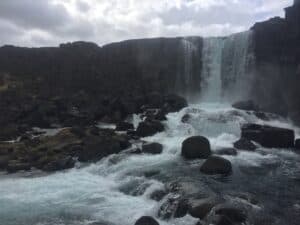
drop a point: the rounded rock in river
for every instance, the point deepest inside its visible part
(216, 165)
(196, 147)
(146, 220)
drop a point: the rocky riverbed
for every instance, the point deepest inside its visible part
(198, 169)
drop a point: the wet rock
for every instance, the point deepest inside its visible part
(158, 195)
(95, 148)
(182, 209)
(174, 103)
(155, 100)
(152, 148)
(199, 223)
(136, 151)
(124, 126)
(262, 116)
(227, 151)
(155, 114)
(246, 105)
(222, 220)
(4, 162)
(196, 147)
(14, 166)
(53, 153)
(244, 144)
(149, 128)
(268, 136)
(174, 207)
(146, 220)
(216, 165)
(186, 118)
(201, 208)
(60, 164)
(234, 214)
(297, 144)
(93, 130)
(9, 132)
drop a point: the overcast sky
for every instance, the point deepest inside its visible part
(50, 22)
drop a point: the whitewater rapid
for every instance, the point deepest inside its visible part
(117, 191)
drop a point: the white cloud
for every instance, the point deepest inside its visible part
(50, 22)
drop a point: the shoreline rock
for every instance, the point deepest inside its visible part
(58, 152)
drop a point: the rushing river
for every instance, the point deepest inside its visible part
(116, 190)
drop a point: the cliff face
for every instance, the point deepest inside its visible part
(277, 52)
(82, 82)
(148, 65)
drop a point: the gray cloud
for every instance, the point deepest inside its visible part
(34, 14)
(82, 6)
(50, 22)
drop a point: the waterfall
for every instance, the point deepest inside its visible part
(227, 64)
(211, 69)
(189, 48)
(186, 74)
(237, 66)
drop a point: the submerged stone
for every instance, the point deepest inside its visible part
(146, 220)
(216, 165)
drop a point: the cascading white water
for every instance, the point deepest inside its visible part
(237, 66)
(184, 79)
(226, 67)
(211, 69)
(189, 49)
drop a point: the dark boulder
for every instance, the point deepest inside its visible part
(155, 114)
(15, 165)
(158, 195)
(152, 148)
(60, 164)
(149, 128)
(186, 118)
(201, 208)
(234, 214)
(269, 137)
(223, 220)
(182, 209)
(246, 105)
(155, 100)
(227, 151)
(196, 147)
(124, 126)
(297, 144)
(244, 144)
(146, 220)
(216, 165)
(96, 148)
(173, 207)
(174, 103)
(9, 132)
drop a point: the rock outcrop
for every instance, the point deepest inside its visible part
(277, 56)
(269, 137)
(58, 152)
